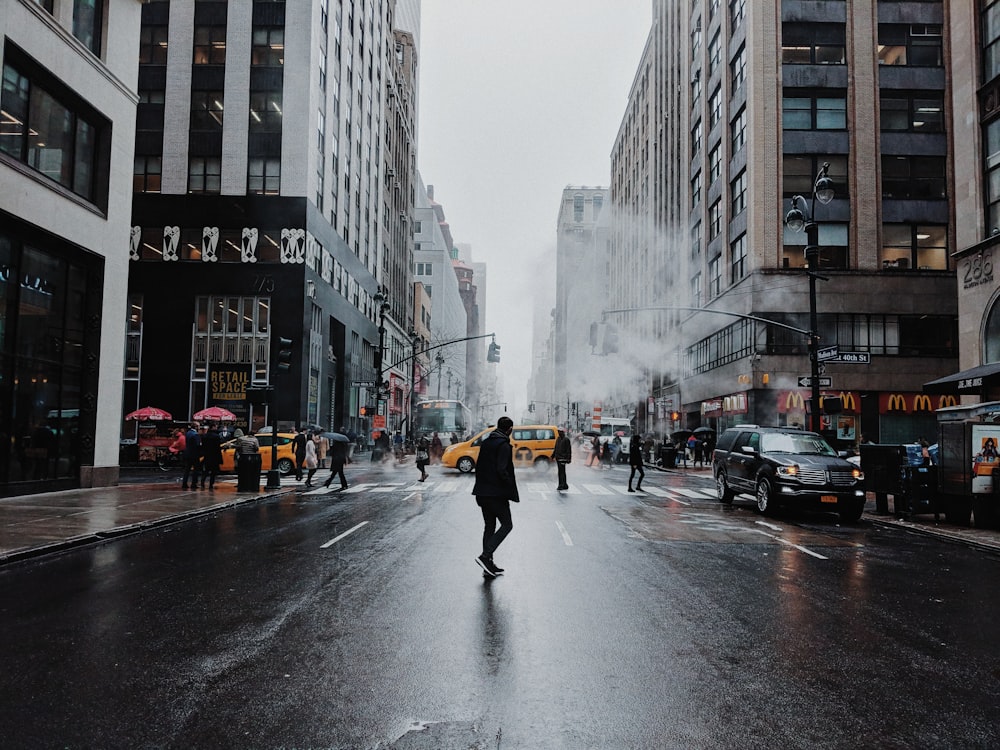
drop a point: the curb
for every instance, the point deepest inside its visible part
(935, 531)
(119, 532)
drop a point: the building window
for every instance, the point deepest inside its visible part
(51, 130)
(737, 12)
(696, 138)
(147, 173)
(268, 46)
(738, 258)
(991, 40)
(265, 112)
(696, 290)
(715, 108)
(88, 20)
(714, 164)
(696, 239)
(913, 178)
(206, 110)
(153, 45)
(799, 173)
(715, 220)
(813, 43)
(738, 131)
(696, 189)
(833, 247)
(264, 176)
(715, 277)
(915, 113)
(804, 111)
(204, 175)
(696, 39)
(738, 68)
(992, 165)
(209, 45)
(913, 246)
(909, 44)
(738, 191)
(715, 52)
(577, 208)
(991, 335)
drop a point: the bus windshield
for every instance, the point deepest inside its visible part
(445, 417)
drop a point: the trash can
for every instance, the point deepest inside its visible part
(248, 473)
(668, 456)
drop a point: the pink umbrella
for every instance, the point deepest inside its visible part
(216, 414)
(149, 414)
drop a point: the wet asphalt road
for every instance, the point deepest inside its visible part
(662, 620)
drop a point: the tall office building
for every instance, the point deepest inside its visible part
(747, 102)
(67, 109)
(274, 178)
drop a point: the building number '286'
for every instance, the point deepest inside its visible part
(978, 270)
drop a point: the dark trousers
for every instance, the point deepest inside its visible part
(192, 468)
(561, 467)
(642, 475)
(299, 463)
(337, 469)
(494, 509)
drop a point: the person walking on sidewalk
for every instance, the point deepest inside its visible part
(299, 444)
(192, 457)
(211, 451)
(563, 454)
(495, 488)
(635, 461)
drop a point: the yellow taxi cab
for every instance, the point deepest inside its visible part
(532, 445)
(286, 453)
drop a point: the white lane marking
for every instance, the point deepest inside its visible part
(412, 494)
(697, 494)
(338, 538)
(597, 489)
(668, 495)
(354, 489)
(771, 526)
(799, 547)
(565, 534)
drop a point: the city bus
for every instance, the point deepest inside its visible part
(445, 417)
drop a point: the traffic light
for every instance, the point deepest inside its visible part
(493, 355)
(675, 415)
(610, 339)
(362, 411)
(284, 353)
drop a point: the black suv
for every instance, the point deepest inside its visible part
(786, 466)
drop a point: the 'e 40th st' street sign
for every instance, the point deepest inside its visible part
(833, 354)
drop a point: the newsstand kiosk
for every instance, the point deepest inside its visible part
(969, 463)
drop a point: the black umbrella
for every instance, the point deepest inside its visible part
(704, 431)
(678, 435)
(336, 437)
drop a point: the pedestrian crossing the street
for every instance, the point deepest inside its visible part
(461, 484)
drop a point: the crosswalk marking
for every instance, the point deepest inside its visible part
(598, 489)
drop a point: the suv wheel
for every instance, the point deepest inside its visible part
(725, 494)
(852, 513)
(466, 464)
(765, 500)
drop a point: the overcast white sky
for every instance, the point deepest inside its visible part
(518, 100)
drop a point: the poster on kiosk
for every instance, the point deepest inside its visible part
(985, 457)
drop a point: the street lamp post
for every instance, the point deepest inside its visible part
(383, 308)
(415, 338)
(440, 363)
(796, 220)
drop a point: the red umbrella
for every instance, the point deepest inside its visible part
(216, 414)
(149, 414)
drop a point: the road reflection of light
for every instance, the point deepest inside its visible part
(493, 626)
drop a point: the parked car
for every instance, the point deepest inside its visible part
(783, 466)
(286, 453)
(532, 445)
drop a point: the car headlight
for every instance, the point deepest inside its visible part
(858, 475)
(788, 471)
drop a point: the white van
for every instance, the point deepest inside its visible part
(611, 426)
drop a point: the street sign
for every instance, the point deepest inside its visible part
(827, 353)
(806, 382)
(364, 383)
(854, 358)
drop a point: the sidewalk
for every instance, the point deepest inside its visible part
(34, 525)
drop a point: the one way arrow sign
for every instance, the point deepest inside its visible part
(806, 382)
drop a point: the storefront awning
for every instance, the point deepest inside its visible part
(971, 381)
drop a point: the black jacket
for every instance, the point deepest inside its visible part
(211, 449)
(635, 452)
(563, 451)
(495, 468)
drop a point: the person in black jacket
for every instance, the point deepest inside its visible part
(635, 461)
(563, 454)
(495, 488)
(211, 451)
